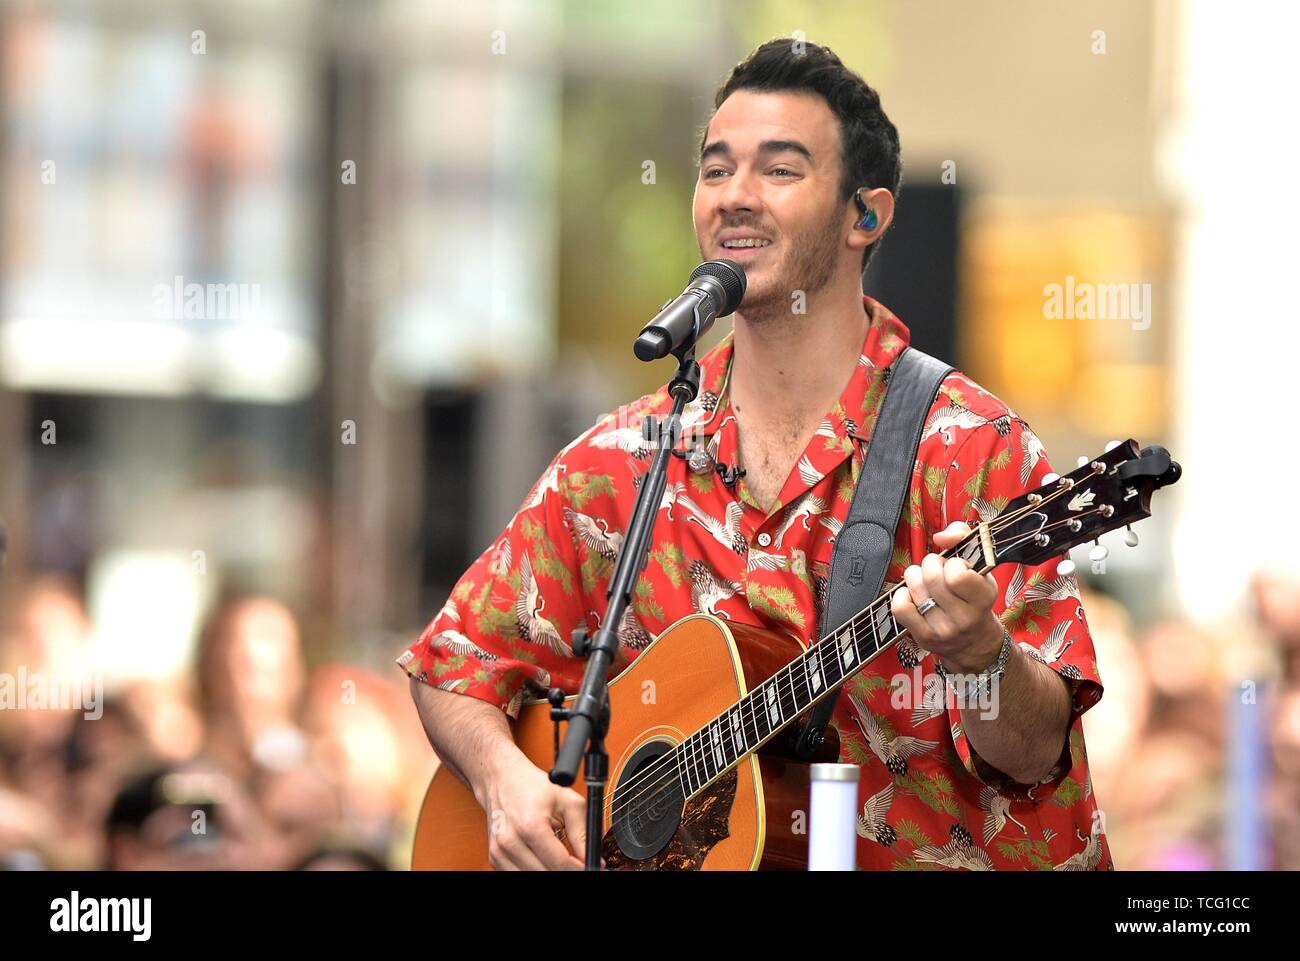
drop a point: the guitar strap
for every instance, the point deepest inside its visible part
(866, 541)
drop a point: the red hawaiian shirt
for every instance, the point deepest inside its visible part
(503, 635)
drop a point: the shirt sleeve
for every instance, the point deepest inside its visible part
(1040, 608)
(505, 631)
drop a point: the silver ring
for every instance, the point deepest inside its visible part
(927, 605)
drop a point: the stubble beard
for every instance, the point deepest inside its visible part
(807, 265)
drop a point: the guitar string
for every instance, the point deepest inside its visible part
(620, 803)
(660, 765)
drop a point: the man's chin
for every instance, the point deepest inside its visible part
(762, 300)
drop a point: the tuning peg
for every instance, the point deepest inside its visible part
(1111, 445)
(1130, 536)
(1065, 568)
(1081, 461)
(1098, 553)
(1051, 478)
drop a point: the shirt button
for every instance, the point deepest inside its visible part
(764, 539)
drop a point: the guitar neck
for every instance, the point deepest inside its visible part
(817, 673)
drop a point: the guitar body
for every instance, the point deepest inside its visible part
(691, 674)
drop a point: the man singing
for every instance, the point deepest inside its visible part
(798, 170)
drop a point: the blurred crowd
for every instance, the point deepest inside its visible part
(1195, 747)
(251, 761)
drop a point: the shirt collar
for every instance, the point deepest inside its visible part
(852, 414)
(852, 418)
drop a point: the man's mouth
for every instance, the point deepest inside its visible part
(745, 243)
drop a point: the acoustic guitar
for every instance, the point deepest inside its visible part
(703, 773)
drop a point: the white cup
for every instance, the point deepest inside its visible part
(833, 818)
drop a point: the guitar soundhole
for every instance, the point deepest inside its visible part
(648, 803)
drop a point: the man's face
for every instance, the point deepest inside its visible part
(770, 171)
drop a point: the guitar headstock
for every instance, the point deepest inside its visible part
(1109, 492)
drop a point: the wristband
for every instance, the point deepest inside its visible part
(978, 684)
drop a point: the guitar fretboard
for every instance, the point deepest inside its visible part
(714, 749)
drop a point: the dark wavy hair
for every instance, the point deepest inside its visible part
(869, 151)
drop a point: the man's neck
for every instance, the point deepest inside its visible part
(792, 369)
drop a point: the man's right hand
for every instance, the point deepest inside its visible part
(525, 811)
(533, 825)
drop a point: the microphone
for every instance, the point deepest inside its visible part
(716, 289)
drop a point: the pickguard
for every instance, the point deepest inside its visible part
(705, 822)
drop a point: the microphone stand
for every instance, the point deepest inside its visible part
(589, 717)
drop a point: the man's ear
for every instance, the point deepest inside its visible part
(881, 202)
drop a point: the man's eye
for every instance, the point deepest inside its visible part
(782, 170)
(708, 174)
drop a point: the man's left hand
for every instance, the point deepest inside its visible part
(961, 627)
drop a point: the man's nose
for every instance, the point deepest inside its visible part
(740, 194)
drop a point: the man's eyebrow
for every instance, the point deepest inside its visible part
(722, 148)
(784, 146)
(718, 148)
